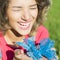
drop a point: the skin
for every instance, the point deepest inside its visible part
(21, 15)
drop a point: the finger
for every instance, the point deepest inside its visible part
(17, 52)
(21, 51)
(44, 58)
(25, 57)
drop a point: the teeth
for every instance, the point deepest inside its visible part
(24, 24)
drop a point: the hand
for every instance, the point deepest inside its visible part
(43, 58)
(19, 55)
(0, 59)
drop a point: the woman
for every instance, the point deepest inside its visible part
(21, 19)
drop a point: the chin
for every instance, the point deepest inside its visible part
(25, 32)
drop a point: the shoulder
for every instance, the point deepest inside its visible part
(41, 34)
(42, 30)
(1, 35)
(2, 40)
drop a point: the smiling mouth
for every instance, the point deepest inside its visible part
(24, 25)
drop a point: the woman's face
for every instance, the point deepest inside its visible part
(22, 14)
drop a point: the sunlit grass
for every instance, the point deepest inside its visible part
(53, 23)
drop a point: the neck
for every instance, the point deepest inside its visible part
(10, 37)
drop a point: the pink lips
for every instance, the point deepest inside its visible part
(24, 25)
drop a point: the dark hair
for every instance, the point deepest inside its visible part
(4, 24)
(41, 4)
(3, 21)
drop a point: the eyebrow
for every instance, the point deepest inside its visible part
(21, 7)
(16, 7)
(33, 5)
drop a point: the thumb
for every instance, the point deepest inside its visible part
(18, 51)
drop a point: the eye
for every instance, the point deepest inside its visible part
(33, 8)
(16, 9)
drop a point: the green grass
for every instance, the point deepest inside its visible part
(53, 24)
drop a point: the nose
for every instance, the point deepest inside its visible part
(26, 15)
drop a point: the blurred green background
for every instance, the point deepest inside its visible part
(53, 24)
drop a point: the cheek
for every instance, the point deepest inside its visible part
(13, 18)
(13, 15)
(13, 23)
(34, 13)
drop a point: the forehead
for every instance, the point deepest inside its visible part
(22, 2)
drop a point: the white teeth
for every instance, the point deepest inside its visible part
(24, 24)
